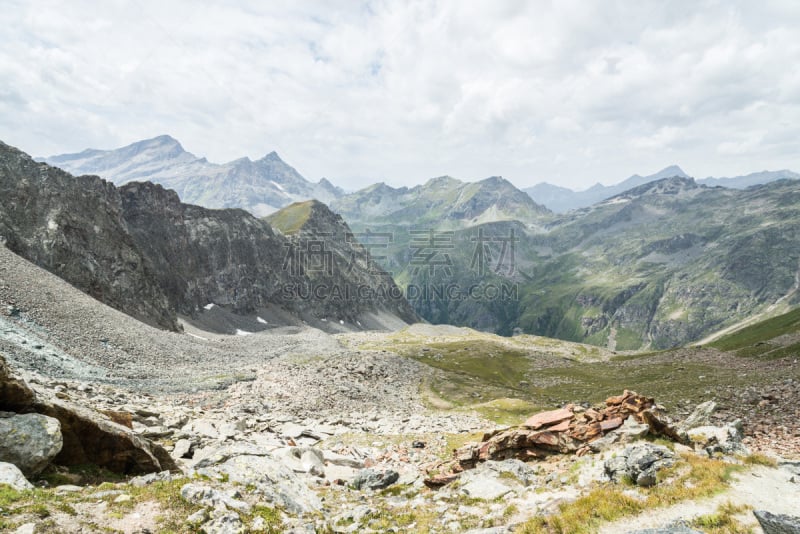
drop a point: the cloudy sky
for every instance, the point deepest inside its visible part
(399, 91)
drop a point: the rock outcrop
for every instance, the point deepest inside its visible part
(47, 429)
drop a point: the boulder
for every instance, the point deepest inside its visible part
(15, 395)
(374, 479)
(701, 416)
(777, 523)
(249, 465)
(720, 439)
(302, 460)
(11, 475)
(208, 496)
(225, 524)
(182, 449)
(29, 441)
(92, 438)
(485, 487)
(640, 463)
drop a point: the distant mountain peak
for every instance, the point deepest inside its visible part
(160, 141)
(668, 172)
(441, 181)
(260, 187)
(664, 186)
(272, 156)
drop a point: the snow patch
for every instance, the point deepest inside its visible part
(276, 184)
(198, 337)
(260, 320)
(208, 306)
(243, 333)
(341, 322)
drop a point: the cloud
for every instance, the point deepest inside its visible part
(570, 92)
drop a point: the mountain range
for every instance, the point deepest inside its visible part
(561, 199)
(140, 250)
(444, 201)
(664, 263)
(260, 186)
(655, 261)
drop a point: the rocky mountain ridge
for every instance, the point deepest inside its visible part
(260, 186)
(561, 199)
(140, 250)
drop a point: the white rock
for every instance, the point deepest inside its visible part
(487, 488)
(11, 475)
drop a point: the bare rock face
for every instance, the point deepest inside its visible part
(74, 228)
(232, 259)
(140, 250)
(14, 393)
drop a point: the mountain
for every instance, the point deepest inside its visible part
(139, 249)
(662, 264)
(748, 180)
(260, 186)
(561, 199)
(443, 200)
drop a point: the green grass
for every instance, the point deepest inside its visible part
(723, 521)
(291, 219)
(761, 332)
(490, 382)
(692, 478)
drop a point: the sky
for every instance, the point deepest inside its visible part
(568, 92)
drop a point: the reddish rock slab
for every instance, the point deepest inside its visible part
(611, 424)
(548, 418)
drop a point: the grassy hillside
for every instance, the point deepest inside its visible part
(658, 267)
(291, 219)
(772, 338)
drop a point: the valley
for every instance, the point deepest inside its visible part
(383, 364)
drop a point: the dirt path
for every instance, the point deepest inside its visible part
(761, 488)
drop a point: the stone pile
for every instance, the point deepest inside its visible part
(568, 430)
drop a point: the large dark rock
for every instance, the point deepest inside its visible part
(777, 523)
(92, 438)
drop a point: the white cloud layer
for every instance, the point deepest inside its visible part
(571, 92)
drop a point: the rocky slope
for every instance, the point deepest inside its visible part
(142, 251)
(260, 186)
(356, 279)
